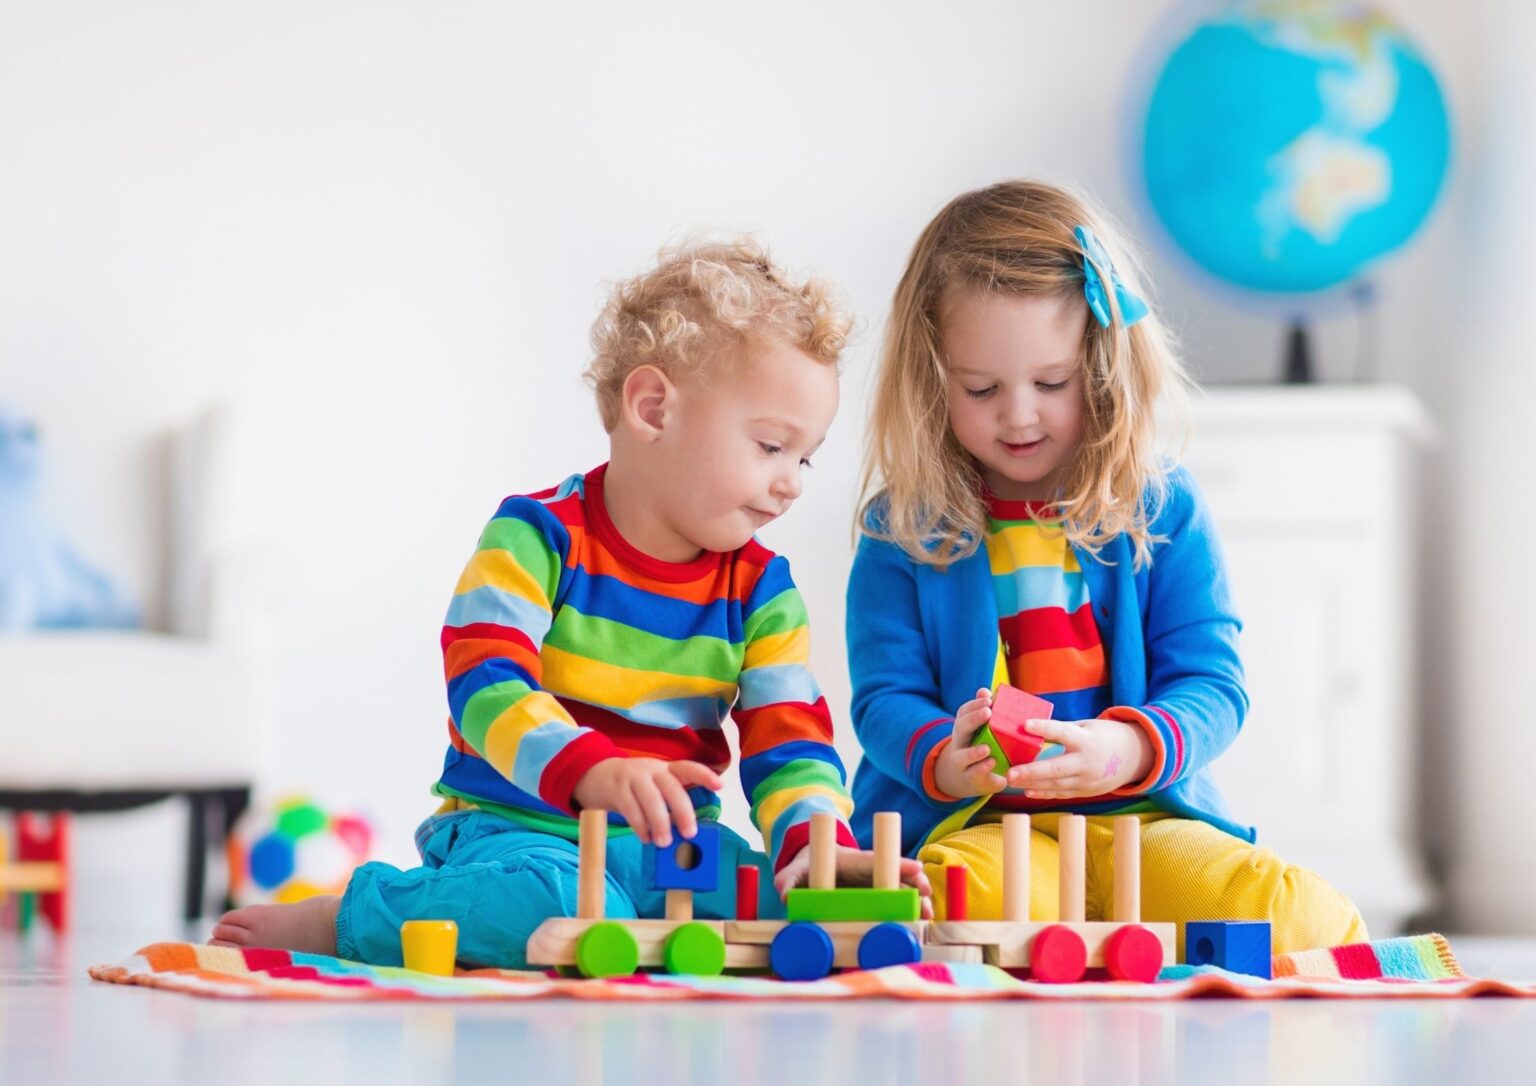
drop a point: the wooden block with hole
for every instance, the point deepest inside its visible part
(687, 863)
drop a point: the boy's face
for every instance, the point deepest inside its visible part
(734, 452)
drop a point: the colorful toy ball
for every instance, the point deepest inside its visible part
(292, 850)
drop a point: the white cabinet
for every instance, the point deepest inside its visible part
(1313, 492)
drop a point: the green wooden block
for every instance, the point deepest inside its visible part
(854, 903)
(985, 738)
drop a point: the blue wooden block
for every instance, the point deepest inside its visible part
(889, 944)
(668, 874)
(801, 951)
(1238, 946)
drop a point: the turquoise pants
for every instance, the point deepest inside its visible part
(499, 880)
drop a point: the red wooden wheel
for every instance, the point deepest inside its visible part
(1133, 953)
(1058, 955)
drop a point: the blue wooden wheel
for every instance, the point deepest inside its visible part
(888, 944)
(801, 951)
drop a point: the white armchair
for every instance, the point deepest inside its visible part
(110, 720)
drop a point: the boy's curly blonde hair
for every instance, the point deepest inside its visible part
(701, 299)
(923, 489)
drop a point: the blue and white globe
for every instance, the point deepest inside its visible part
(1288, 145)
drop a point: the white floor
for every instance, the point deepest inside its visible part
(57, 1026)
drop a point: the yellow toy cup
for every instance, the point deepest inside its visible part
(429, 946)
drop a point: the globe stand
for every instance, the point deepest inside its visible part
(1298, 355)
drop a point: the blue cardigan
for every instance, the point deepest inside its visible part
(921, 642)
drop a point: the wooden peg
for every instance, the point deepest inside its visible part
(679, 904)
(1127, 902)
(823, 851)
(746, 892)
(956, 892)
(1016, 867)
(1072, 839)
(592, 863)
(887, 850)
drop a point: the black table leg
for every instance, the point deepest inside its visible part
(232, 804)
(197, 857)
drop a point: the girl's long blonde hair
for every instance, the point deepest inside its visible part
(919, 488)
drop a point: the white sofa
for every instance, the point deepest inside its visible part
(109, 720)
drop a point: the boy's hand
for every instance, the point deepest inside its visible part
(962, 770)
(854, 868)
(651, 794)
(1100, 756)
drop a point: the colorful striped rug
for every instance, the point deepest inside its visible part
(1418, 966)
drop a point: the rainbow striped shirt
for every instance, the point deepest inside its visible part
(1049, 638)
(564, 645)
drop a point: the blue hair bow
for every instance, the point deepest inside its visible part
(1132, 308)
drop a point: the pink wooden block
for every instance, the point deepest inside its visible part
(1011, 707)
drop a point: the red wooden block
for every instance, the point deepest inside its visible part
(956, 892)
(746, 892)
(1011, 707)
(1133, 953)
(1058, 955)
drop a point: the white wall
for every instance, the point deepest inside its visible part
(1481, 592)
(381, 229)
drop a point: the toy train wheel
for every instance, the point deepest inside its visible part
(694, 949)
(1133, 953)
(888, 944)
(801, 951)
(1058, 955)
(607, 949)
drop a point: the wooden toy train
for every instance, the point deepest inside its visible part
(829, 927)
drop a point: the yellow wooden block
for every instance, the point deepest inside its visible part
(429, 946)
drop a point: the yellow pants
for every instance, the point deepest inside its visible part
(1190, 870)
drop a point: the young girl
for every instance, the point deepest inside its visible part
(1019, 526)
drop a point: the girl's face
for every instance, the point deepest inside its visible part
(1015, 387)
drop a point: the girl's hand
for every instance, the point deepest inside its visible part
(1100, 756)
(962, 770)
(651, 794)
(854, 868)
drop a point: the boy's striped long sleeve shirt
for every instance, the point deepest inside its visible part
(564, 645)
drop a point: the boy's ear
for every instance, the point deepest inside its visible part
(646, 402)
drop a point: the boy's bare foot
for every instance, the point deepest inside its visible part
(308, 926)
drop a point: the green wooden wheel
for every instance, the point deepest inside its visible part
(694, 949)
(607, 949)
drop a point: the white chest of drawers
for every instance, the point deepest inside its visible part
(1313, 491)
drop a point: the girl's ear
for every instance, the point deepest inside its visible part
(646, 403)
